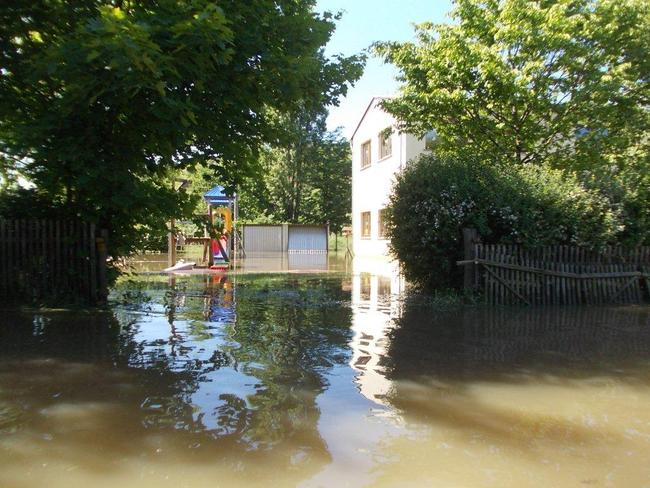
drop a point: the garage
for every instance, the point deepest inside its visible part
(291, 238)
(307, 239)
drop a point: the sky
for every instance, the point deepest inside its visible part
(365, 22)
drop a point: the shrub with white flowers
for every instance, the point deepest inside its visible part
(434, 198)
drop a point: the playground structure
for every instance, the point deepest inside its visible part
(222, 211)
(224, 242)
(220, 240)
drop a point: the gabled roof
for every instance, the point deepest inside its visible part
(372, 100)
(216, 195)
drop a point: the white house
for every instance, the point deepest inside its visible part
(379, 151)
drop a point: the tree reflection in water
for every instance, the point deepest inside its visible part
(326, 378)
(251, 358)
(438, 363)
(232, 366)
(519, 343)
(507, 396)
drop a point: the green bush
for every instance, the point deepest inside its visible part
(433, 199)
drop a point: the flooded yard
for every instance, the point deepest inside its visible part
(320, 379)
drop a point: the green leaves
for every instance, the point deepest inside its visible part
(106, 102)
(512, 80)
(563, 83)
(305, 175)
(434, 198)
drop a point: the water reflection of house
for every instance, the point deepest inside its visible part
(375, 298)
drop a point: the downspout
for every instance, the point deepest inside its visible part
(402, 157)
(352, 215)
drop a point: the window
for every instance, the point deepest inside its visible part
(365, 154)
(385, 143)
(383, 287)
(365, 286)
(365, 224)
(381, 223)
(430, 139)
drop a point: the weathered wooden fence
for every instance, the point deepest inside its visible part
(45, 260)
(556, 275)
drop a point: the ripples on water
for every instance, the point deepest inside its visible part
(321, 379)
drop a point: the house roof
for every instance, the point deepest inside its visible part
(372, 100)
(217, 195)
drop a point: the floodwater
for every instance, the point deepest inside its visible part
(321, 379)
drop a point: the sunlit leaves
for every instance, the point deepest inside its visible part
(512, 79)
(110, 98)
(305, 177)
(516, 80)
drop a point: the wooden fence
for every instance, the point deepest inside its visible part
(556, 275)
(52, 261)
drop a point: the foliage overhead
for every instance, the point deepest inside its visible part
(101, 101)
(563, 83)
(558, 81)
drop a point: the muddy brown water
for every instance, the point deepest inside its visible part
(320, 379)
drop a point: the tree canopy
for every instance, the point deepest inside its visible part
(435, 197)
(100, 101)
(529, 81)
(564, 83)
(306, 175)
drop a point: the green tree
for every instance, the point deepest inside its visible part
(434, 198)
(562, 82)
(106, 100)
(330, 199)
(306, 175)
(516, 79)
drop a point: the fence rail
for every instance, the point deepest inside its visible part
(46, 260)
(556, 275)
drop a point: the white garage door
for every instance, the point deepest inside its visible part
(263, 238)
(307, 239)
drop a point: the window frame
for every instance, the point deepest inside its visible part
(430, 139)
(365, 285)
(381, 224)
(384, 286)
(369, 235)
(385, 135)
(363, 146)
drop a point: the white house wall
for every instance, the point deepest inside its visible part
(413, 147)
(371, 186)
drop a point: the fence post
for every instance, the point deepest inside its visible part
(285, 237)
(171, 245)
(327, 239)
(470, 237)
(102, 254)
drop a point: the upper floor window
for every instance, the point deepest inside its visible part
(430, 139)
(365, 154)
(365, 224)
(381, 223)
(385, 143)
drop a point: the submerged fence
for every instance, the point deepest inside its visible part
(556, 275)
(46, 260)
